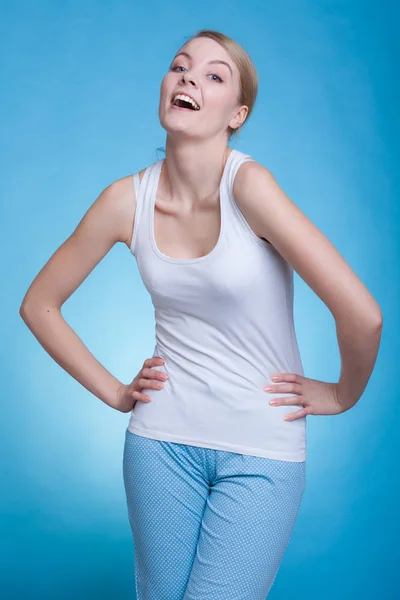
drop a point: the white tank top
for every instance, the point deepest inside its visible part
(223, 325)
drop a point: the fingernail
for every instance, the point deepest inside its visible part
(273, 402)
(268, 388)
(274, 377)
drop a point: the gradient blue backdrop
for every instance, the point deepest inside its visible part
(79, 109)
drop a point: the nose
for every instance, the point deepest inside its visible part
(190, 79)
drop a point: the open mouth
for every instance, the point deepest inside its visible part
(183, 104)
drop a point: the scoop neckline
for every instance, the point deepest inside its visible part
(214, 250)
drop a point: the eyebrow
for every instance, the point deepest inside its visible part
(210, 62)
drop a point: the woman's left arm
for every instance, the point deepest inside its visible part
(358, 340)
(310, 253)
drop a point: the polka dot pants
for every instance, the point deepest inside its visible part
(207, 524)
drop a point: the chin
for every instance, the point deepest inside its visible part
(178, 129)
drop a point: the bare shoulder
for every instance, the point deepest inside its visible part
(302, 244)
(122, 201)
(111, 214)
(108, 220)
(115, 207)
(247, 171)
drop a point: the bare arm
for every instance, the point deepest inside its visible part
(107, 221)
(357, 314)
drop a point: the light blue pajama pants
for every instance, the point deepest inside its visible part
(207, 524)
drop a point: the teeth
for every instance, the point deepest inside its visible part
(187, 99)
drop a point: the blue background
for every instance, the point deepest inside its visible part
(78, 110)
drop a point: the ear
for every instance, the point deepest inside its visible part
(239, 117)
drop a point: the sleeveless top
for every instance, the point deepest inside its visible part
(223, 324)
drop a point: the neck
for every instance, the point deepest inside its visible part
(191, 173)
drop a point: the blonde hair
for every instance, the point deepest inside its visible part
(247, 72)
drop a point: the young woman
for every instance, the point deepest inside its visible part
(214, 461)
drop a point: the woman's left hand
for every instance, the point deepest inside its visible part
(317, 397)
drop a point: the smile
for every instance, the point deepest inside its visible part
(181, 108)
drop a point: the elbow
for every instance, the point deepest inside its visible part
(374, 321)
(29, 311)
(367, 320)
(377, 318)
(23, 312)
(26, 313)
(26, 307)
(379, 321)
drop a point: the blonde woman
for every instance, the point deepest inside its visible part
(215, 449)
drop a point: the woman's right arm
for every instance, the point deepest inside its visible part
(108, 220)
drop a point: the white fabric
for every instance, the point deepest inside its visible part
(223, 324)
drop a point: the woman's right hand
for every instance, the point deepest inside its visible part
(147, 377)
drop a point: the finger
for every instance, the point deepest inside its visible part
(298, 414)
(139, 396)
(295, 377)
(153, 374)
(150, 383)
(291, 388)
(287, 401)
(153, 361)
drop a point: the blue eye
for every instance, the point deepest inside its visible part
(212, 74)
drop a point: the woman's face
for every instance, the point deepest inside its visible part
(214, 86)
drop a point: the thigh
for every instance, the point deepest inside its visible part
(246, 527)
(166, 492)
